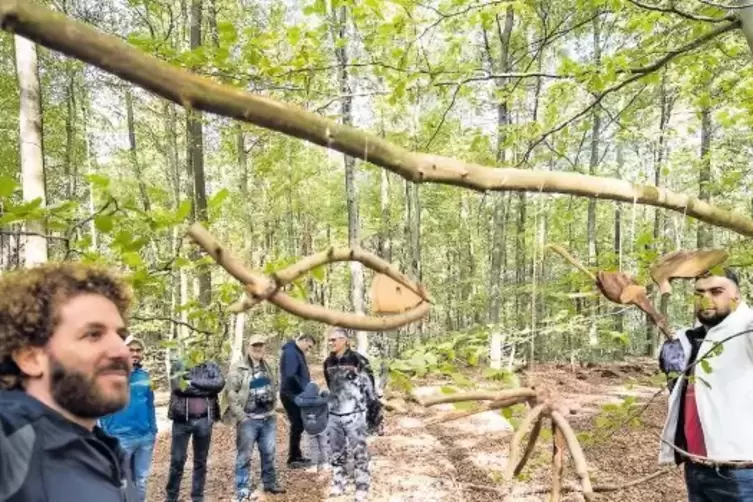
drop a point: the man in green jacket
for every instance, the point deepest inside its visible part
(251, 398)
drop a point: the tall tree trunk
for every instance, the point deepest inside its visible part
(133, 152)
(705, 237)
(245, 182)
(90, 169)
(499, 216)
(619, 319)
(32, 159)
(384, 245)
(594, 159)
(213, 23)
(70, 137)
(195, 161)
(340, 40)
(520, 260)
(659, 241)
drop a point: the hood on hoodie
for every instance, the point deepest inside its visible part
(312, 390)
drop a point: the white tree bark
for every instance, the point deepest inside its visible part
(746, 19)
(240, 325)
(32, 161)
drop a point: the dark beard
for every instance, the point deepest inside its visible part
(710, 322)
(78, 393)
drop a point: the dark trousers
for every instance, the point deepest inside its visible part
(709, 484)
(296, 427)
(201, 430)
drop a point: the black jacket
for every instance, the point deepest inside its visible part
(44, 457)
(294, 370)
(314, 411)
(206, 381)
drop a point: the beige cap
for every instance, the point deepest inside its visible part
(257, 339)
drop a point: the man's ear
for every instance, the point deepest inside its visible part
(30, 360)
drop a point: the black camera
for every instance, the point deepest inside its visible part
(264, 399)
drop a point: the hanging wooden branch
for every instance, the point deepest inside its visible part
(260, 287)
(74, 38)
(619, 288)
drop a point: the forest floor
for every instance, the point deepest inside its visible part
(464, 460)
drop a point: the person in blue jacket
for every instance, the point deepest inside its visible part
(294, 376)
(315, 415)
(135, 426)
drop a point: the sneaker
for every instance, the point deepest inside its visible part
(335, 492)
(275, 490)
(243, 496)
(361, 496)
(299, 464)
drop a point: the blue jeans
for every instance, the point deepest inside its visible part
(709, 484)
(140, 451)
(248, 433)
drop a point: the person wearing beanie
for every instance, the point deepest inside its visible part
(315, 416)
(136, 425)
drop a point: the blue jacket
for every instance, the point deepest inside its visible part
(314, 411)
(294, 371)
(138, 419)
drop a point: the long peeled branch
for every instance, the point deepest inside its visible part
(532, 438)
(576, 452)
(533, 417)
(572, 260)
(493, 405)
(74, 38)
(259, 287)
(522, 394)
(293, 272)
(558, 464)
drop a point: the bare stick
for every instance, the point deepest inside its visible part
(558, 466)
(525, 393)
(532, 438)
(572, 260)
(74, 38)
(574, 489)
(346, 319)
(494, 405)
(531, 418)
(259, 287)
(576, 452)
(293, 272)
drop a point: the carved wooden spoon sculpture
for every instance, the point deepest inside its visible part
(686, 265)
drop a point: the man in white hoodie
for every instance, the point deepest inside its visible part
(711, 403)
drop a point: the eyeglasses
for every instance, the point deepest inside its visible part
(257, 345)
(333, 340)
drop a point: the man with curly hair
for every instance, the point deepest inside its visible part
(64, 363)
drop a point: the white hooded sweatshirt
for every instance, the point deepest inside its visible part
(724, 395)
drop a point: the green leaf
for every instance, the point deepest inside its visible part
(319, 273)
(218, 198)
(7, 186)
(133, 260)
(706, 366)
(98, 180)
(183, 211)
(104, 223)
(446, 389)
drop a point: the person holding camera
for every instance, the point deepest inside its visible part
(251, 396)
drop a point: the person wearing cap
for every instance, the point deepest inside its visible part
(251, 397)
(351, 389)
(136, 425)
(711, 400)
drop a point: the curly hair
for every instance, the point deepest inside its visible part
(30, 300)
